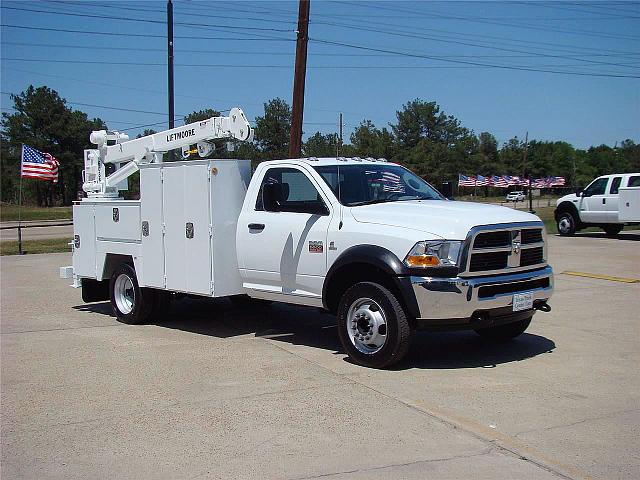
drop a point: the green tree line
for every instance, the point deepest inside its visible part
(423, 138)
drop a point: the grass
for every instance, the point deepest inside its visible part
(54, 245)
(9, 212)
(546, 215)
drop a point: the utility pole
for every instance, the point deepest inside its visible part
(526, 151)
(170, 60)
(295, 141)
(339, 142)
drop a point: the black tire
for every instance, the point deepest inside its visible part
(397, 330)
(613, 229)
(132, 305)
(505, 332)
(566, 224)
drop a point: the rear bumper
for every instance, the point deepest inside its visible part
(458, 300)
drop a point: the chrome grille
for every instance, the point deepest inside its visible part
(499, 249)
(531, 235)
(531, 256)
(488, 261)
(492, 239)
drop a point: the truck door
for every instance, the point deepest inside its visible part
(611, 200)
(282, 238)
(593, 202)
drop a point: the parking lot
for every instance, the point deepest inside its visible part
(212, 391)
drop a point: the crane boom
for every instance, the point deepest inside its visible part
(116, 148)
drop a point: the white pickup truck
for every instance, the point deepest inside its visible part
(609, 202)
(364, 239)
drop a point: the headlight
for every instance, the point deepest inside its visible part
(434, 253)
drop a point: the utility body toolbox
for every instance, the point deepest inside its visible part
(181, 234)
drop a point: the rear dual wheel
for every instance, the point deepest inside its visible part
(132, 304)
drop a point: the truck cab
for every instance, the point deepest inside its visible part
(379, 247)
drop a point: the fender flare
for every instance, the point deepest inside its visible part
(382, 259)
(567, 206)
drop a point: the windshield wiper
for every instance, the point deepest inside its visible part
(415, 198)
(371, 202)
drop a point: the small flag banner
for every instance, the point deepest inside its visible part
(38, 165)
(505, 181)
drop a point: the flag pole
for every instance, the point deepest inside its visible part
(20, 252)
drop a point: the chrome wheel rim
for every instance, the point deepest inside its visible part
(367, 326)
(564, 225)
(124, 294)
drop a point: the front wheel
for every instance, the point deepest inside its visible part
(505, 332)
(613, 229)
(130, 303)
(566, 224)
(372, 325)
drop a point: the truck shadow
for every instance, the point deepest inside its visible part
(310, 327)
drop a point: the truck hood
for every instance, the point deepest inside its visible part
(447, 219)
(572, 197)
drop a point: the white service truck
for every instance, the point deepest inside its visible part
(609, 202)
(362, 238)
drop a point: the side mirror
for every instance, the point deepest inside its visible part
(579, 193)
(272, 196)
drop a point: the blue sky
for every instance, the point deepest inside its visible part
(480, 61)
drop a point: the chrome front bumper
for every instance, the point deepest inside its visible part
(449, 298)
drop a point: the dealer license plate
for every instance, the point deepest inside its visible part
(522, 301)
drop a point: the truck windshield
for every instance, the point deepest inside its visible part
(375, 183)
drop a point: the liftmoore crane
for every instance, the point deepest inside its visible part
(127, 155)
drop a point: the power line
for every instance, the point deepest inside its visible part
(143, 20)
(182, 12)
(291, 54)
(407, 35)
(83, 80)
(111, 85)
(516, 25)
(145, 35)
(356, 67)
(154, 113)
(555, 5)
(477, 37)
(282, 39)
(506, 67)
(103, 106)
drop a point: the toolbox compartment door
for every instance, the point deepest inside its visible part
(152, 274)
(84, 231)
(187, 218)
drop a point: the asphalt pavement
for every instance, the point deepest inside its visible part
(212, 391)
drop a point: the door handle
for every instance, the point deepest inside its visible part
(256, 226)
(604, 200)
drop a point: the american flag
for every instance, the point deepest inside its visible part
(558, 181)
(540, 183)
(464, 181)
(391, 183)
(521, 181)
(38, 165)
(499, 181)
(482, 181)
